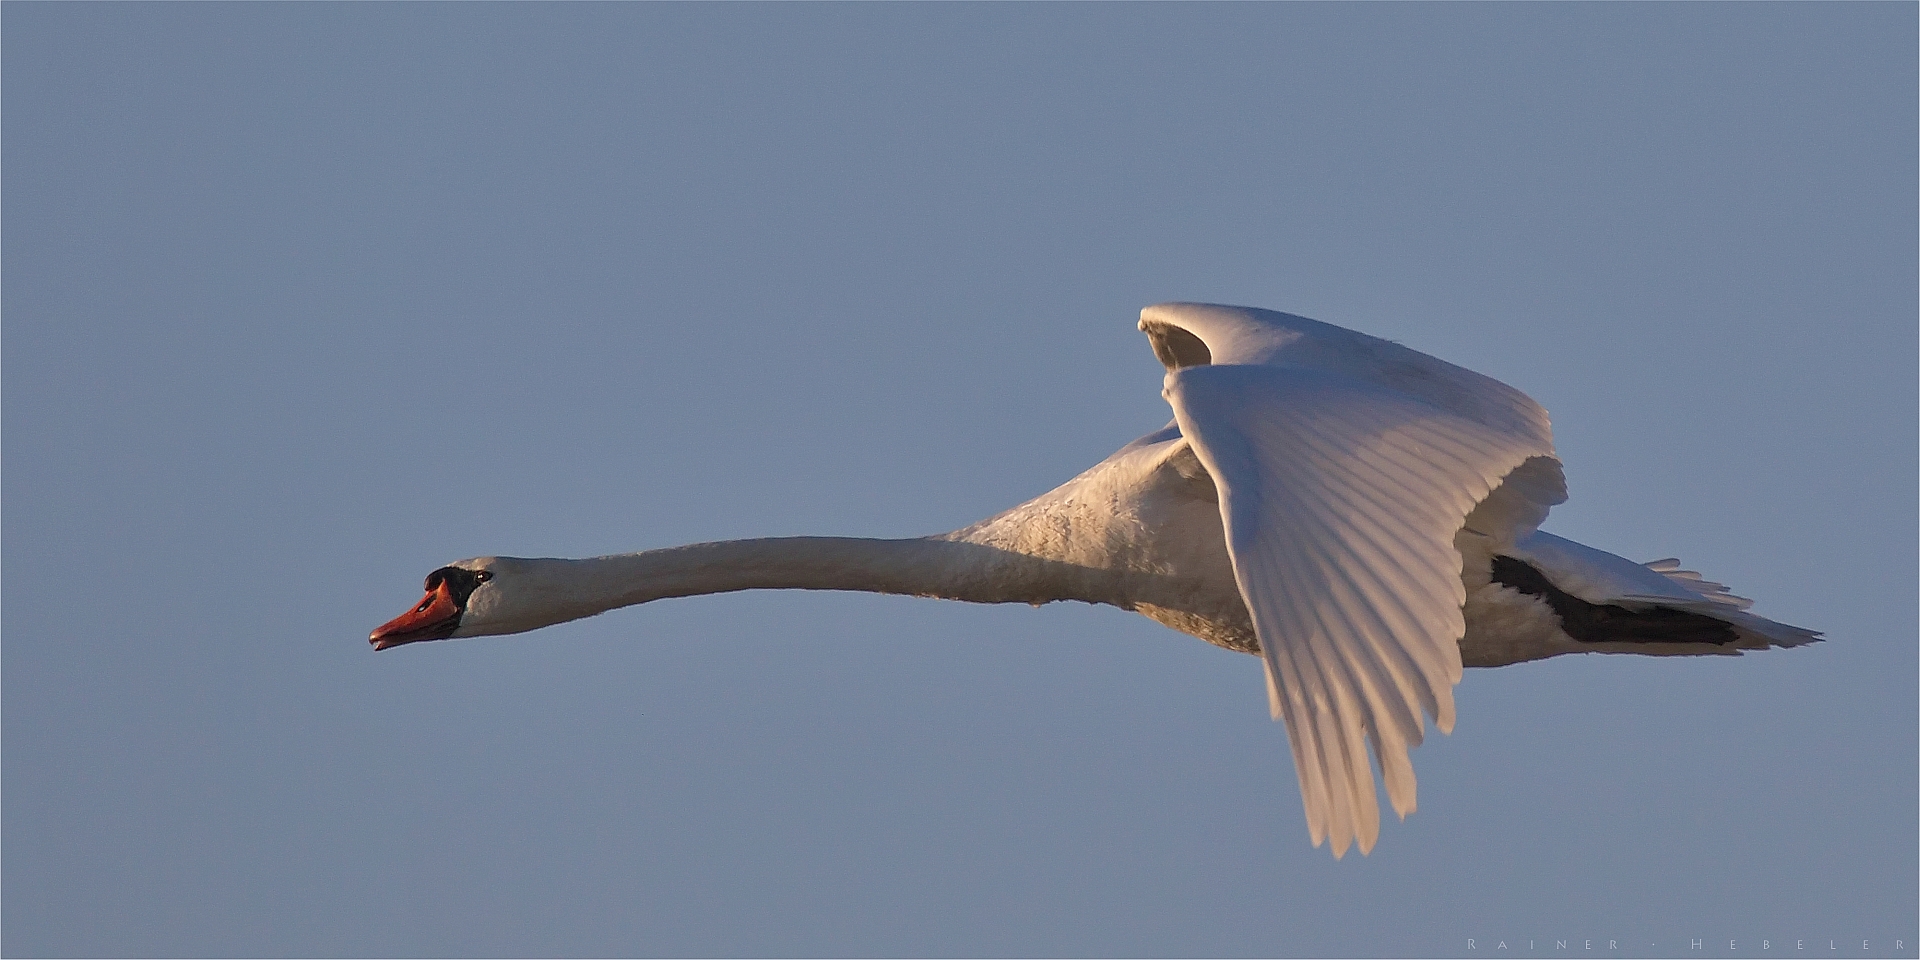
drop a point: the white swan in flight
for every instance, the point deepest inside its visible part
(1361, 516)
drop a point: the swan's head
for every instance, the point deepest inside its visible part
(481, 597)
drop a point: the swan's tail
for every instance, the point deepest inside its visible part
(1754, 632)
(1612, 604)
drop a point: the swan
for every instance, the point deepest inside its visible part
(1362, 517)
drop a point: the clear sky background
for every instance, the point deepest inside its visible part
(302, 301)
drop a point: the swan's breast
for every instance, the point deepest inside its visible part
(1140, 531)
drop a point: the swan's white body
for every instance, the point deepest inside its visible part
(1362, 516)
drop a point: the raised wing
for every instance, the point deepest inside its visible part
(1194, 334)
(1341, 497)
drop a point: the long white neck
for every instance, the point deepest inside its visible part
(928, 567)
(552, 591)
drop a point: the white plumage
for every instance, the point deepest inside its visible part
(1362, 516)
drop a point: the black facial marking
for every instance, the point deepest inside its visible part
(460, 583)
(1608, 623)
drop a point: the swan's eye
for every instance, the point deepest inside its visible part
(483, 576)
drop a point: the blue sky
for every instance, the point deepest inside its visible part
(301, 302)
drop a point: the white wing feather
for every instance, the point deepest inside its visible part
(1341, 498)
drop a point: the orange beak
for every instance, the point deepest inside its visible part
(434, 618)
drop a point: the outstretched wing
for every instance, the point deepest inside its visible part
(1341, 496)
